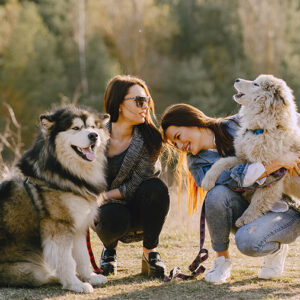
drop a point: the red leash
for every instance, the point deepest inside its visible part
(97, 270)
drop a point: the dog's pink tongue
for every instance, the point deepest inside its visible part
(90, 155)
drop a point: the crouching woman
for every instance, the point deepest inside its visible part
(207, 139)
(137, 201)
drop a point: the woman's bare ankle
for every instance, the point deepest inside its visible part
(147, 251)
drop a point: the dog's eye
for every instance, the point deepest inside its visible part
(93, 126)
(76, 128)
(256, 84)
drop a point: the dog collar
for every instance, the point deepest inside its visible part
(257, 131)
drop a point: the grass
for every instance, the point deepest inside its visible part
(179, 244)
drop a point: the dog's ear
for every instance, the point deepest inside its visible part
(276, 88)
(102, 119)
(280, 94)
(46, 122)
(266, 85)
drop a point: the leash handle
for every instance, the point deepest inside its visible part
(97, 270)
(196, 268)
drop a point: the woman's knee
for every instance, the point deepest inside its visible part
(217, 198)
(155, 190)
(247, 242)
(113, 218)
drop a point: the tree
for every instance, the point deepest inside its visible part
(133, 31)
(81, 45)
(39, 59)
(29, 63)
(209, 37)
(97, 65)
(264, 33)
(291, 61)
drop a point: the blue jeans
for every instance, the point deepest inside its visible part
(258, 238)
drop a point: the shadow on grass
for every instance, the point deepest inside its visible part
(137, 278)
(193, 289)
(32, 293)
(200, 289)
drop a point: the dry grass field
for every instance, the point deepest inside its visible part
(179, 245)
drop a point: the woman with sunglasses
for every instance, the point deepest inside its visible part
(137, 201)
(207, 139)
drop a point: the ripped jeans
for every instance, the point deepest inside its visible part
(261, 237)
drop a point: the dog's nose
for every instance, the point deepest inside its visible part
(237, 80)
(93, 136)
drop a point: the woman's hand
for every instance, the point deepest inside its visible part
(288, 160)
(111, 194)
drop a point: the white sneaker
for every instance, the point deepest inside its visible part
(273, 264)
(220, 271)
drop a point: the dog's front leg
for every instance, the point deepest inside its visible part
(249, 215)
(209, 181)
(81, 257)
(262, 201)
(57, 240)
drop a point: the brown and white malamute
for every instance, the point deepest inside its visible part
(46, 211)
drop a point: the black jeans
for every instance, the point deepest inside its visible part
(146, 211)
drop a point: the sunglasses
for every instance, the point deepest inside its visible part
(139, 100)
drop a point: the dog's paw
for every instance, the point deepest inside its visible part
(244, 220)
(82, 287)
(239, 222)
(208, 182)
(97, 279)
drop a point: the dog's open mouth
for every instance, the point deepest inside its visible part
(86, 153)
(239, 95)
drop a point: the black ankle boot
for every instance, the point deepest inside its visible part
(108, 261)
(153, 266)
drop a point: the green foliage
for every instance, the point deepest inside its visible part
(100, 68)
(39, 63)
(61, 17)
(30, 66)
(186, 50)
(211, 54)
(291, 64)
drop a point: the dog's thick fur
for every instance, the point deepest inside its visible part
(46, 211)
(267, 104)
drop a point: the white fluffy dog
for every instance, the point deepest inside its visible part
(268, 129)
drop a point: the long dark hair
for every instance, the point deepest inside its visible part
(115, 92)
(187, 116)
